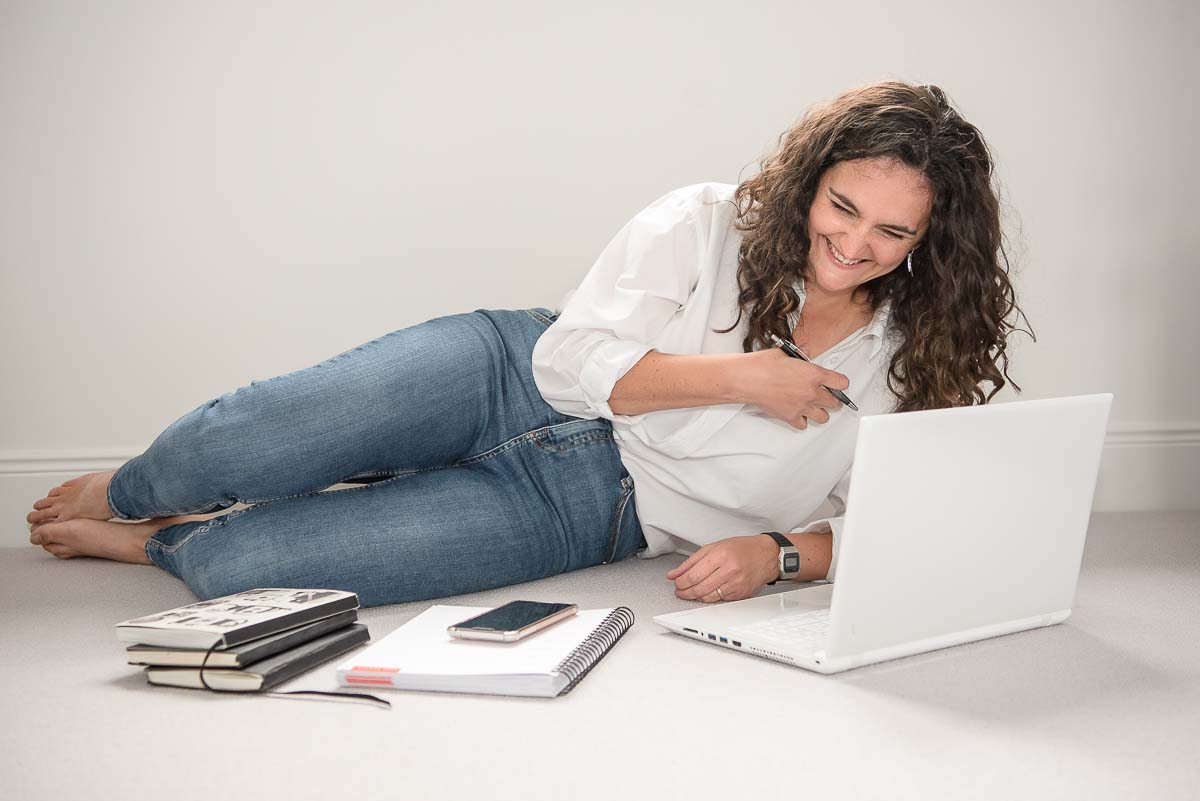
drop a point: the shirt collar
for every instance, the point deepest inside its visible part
(878, 327)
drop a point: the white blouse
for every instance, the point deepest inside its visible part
(664, 283)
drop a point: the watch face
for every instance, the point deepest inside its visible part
(791, 563)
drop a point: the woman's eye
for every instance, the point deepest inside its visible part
(848, 213)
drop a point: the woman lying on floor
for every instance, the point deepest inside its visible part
(504, 446)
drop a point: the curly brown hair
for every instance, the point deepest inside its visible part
(951, 317)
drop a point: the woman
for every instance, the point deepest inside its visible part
(504, 446)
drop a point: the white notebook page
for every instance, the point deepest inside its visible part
(422, 646)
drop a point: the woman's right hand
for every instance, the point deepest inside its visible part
(791, 390)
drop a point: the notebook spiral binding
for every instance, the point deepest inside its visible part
(585, 656)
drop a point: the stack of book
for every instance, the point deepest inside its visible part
(245, 642)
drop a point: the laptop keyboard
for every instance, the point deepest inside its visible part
(802, 628)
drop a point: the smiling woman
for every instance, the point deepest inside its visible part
(883, 176)
(852, 244)
(861, 243)
(502, 446)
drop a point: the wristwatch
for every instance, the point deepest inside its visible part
(789, 556)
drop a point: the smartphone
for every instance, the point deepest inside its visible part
(512, 622)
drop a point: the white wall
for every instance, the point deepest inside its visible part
(196, 194)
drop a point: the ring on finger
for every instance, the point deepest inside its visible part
(720, 594)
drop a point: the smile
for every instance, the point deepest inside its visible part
(838, 257)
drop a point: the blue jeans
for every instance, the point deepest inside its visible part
(475, 482)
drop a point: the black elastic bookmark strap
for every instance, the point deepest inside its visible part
(353, 696)
(372, 699)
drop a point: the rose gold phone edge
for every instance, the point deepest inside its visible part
(496, 635)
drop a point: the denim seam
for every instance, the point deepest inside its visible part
(614, 533)
(499, 449)
(277, 498)
(395, 477)
(573, 442)
(538, 435)
(198, 510)
(541, 318)
(256, 501)
(170, 550)
(391, 473)
(376, 474)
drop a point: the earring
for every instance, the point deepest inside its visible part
(910, 263)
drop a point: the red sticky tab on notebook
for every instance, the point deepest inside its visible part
(376, 669)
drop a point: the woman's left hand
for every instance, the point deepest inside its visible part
(738, 566)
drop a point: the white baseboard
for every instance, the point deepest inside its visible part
(1149, 467)
(45, 462)
(1144, 467)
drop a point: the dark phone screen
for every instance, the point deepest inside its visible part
(512, 616)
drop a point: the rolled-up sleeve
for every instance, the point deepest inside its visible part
(606, 326)
(835, 524)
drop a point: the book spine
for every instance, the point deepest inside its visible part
(585, 656)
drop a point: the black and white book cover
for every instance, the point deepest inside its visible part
(239, 656)
(233, 619)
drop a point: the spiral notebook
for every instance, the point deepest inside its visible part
(420, 655)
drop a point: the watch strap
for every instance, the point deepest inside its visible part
(788, 555)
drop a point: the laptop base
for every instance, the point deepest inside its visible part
(728, 634)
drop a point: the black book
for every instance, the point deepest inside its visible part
(267, 672)
(233, 619)
(239, 656)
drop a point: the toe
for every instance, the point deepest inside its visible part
(44, 503)
(43, 534)
(60, 551)
(40, 516)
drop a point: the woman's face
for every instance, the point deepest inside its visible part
(867, 215)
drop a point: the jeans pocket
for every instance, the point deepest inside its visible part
(543, 316)
(623, 508)
(572, 434)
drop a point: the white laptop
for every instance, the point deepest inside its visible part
(961, 524)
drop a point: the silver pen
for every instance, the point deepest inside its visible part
(791, 350)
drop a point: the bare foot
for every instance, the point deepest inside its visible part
(120, 542)
(83, 497)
